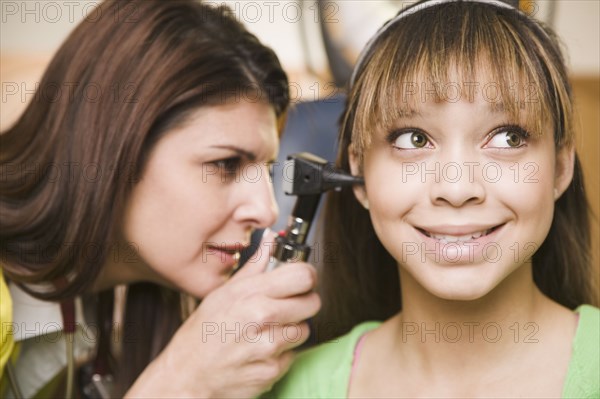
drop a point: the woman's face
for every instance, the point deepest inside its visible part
(205, 188)
(460, 194)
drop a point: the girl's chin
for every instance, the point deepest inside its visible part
(459, 296)
(453, 290)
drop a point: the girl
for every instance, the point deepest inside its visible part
(471, 235)
(126, 168)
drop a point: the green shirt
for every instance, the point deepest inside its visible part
(324, 371)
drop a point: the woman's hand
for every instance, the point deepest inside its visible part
(237, 343)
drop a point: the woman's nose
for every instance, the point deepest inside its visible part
(257, 206)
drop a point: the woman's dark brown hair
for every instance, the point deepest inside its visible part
(127, 74)
(359, 277)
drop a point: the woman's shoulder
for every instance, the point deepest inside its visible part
(582, 377)
(322, 371)
(6, 337)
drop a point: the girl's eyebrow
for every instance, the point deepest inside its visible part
(247, 154)
(497, 107)
(408, 113)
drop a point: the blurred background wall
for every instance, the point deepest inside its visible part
(301, 32)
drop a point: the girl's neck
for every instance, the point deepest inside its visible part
(445, 334)
(437, 347)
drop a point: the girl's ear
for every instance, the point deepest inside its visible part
(563, 175)
(360, 192)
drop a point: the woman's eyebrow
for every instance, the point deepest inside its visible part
(247, 154)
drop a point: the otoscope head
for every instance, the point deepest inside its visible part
(313, 175)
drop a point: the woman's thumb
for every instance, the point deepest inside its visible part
(257, 261)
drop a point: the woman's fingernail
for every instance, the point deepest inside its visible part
(267, 232)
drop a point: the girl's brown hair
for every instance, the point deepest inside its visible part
(127, 74)
(462, 41)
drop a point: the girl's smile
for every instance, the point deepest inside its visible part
(455, 244)
(461, 234)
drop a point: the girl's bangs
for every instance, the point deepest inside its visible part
(456, 56)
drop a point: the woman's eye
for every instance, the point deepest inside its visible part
(229, 165)
(271, 169)
(508, 138)
(411, 140)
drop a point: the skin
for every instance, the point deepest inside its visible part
(458, 286)
(205, 188)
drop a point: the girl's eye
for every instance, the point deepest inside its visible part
(508, 137)
(409, 140)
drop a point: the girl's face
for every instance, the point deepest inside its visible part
(205, 188)
(460, 194)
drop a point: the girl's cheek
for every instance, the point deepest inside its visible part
(388, 192)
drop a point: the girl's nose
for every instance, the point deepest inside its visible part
(458, 184)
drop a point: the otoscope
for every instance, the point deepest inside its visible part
(311, 176)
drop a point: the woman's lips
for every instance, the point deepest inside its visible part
(228, 254)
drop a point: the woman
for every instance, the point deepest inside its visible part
(150, 139)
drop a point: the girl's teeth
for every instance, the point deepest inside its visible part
(447, 238)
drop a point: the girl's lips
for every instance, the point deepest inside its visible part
(465, 246)
(457, 234)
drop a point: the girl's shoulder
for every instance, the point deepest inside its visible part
(582, 378)
(588, 320)
(322, 371)
(587, 337)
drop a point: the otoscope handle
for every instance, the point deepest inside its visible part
(286, 251)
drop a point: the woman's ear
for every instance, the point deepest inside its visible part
(563, 172)
(360, 192)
